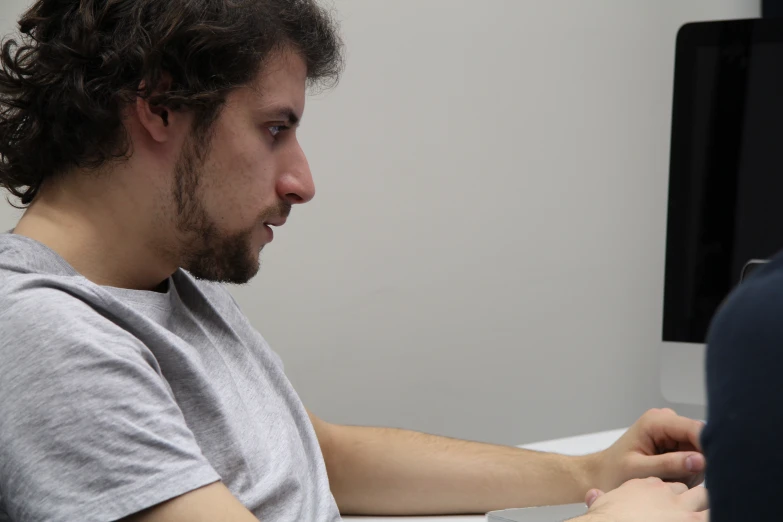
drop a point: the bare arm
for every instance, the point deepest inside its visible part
(381, 471)
(212, 503)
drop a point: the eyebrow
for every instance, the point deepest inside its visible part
(286, 114)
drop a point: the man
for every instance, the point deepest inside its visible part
(154, 145)
(744, 397)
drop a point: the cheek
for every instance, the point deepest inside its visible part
(239, 168)
(255, 167)
(244, 183)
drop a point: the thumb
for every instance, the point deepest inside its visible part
(675, 465)
(592, 496)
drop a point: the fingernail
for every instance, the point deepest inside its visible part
(591, 496)
(693, 464)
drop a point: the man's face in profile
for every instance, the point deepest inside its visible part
(242, 178)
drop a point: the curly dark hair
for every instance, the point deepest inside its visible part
(76, 64)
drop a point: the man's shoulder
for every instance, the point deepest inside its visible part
(45, 306)
(45, 290)
(57, 330)
(34, 277)
(753, 313)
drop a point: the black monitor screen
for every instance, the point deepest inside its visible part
(726, 171)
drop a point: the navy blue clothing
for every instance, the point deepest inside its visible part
(743, 439)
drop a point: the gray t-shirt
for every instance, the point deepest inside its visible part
(114, 400)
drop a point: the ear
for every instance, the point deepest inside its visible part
(159, 122)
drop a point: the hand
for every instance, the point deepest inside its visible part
(648, 500)
(660, 444)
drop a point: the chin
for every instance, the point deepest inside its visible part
(234, 262)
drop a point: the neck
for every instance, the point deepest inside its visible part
(107, 235)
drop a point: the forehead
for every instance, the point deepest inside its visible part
(281, 81)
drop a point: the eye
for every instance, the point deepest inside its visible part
(274, 130)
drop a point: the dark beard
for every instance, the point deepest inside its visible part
(223, 260)
(206, 252)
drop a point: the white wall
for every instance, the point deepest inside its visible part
(484, 258)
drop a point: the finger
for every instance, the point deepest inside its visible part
(695, 499)
(678, 488)
(695, 480)
(666, 430)
(592, 496)
(679, 466)
(694, 462)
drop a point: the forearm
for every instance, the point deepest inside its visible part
(379, 471)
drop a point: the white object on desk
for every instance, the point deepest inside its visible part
(579, 445)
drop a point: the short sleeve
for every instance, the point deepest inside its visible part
(89, 429)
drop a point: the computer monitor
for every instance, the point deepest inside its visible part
(725, 205)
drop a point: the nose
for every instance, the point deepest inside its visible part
(296, 185)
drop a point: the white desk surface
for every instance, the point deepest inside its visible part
(579, 445)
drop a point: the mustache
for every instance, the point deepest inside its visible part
(282, 210)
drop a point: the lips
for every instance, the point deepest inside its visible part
(275, 222)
